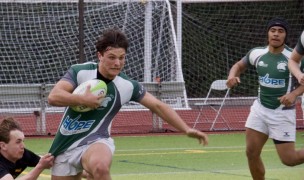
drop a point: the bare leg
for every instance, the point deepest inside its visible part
(288, 154)
(97, 161)
(254, 145)
(86, 175)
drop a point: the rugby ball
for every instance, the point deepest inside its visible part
(98, 87)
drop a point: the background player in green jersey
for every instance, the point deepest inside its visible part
(83, 140)
(272, 115)
(14, 157)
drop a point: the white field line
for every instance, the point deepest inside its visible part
(199, 148)
(201, 172)
(179, 172)
(143, 152)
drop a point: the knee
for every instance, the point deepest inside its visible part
(252, 153)
(101, 169)
(289, 161)
(291, 158)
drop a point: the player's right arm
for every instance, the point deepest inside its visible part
(296, 58)
(61, 95)
(234, 74)
(294, 66)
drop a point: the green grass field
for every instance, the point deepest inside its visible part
(177, 157)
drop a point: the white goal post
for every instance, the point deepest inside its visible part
(46, 35)
(49, 32)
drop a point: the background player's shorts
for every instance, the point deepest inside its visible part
(278, 124)
(68, 163)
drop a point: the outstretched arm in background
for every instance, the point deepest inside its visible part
(165, 112)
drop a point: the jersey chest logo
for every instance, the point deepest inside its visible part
(271, 82)
(282, 66)
(75, 126)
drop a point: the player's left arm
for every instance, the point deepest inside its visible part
(168, 114)
(290, 98)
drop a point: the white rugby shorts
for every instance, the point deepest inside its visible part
(69, 162)
(277, 123)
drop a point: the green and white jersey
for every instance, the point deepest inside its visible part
(274, 77)
(78, 128)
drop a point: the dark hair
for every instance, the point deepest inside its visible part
(112, 37)
(6, 126)
(278, 21)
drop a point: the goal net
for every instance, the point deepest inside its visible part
(41, 39)
(217, 34)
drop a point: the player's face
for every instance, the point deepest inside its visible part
(15, 147)
(276, 36)
(111, 62)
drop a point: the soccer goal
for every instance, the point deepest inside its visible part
(40, 39)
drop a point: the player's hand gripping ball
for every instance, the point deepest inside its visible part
(98, 87)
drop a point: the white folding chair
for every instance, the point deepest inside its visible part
(216, 105)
